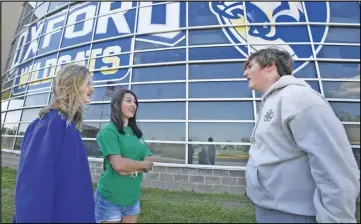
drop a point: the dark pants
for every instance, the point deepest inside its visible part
(211, 159)
(264, 215)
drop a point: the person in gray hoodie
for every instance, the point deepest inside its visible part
(301, 167)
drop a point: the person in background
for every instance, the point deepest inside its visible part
(211, 152)
(301, 167)
(190, 153)
(126, 157)
(53, 183)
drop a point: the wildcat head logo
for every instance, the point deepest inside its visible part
(259, 34)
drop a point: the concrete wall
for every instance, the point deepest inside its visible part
(10, 13)
(168, 177)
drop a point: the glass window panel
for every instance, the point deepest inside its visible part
(343, 35)
(105, 93)
(281, 34)
(353, 133)
(314, 85)
(160, 91)
(55, 5)
(308, 71)
(41, 10)
(18, 142)
(346, 111)
(163, 131)
(142, 44)
(2, 117)
(106, 63)
(92, 148)
(221, 132)
(51, 40)
(346, 90)
(39, 99)
(22, 128)
(7, 142)
(340, 15)
(26, 20)
(79, 32)
(343, 52)
(28, 8)
(199, 13)
(9, 129)
(167, 153)
(205, 37)
(90, 129)
(226, 155)
(160, 56)
(97, 111)
(5, 95)
(16, 103)
(164, 110)
(212, 53)
(74, 54)
(145, 74)
(220, 111)
(339, 70)
(216, 71)
(219, 90)
(13, 116)
(30, 114)
(112, 29)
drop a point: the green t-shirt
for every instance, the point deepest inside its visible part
(120, 189)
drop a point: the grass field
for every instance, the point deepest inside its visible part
(163, 206)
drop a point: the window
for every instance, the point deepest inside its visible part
(344, 90)
(339, 70)
(216, 71)
(212, 53)
(30, 114)
(13, 116)
(160, 56)
(219, 90)
(159, 91)
(167, 153)
(38, 99)
(163, 131)
(227, 155)
(346, 111)
(162, 111)
(221, 110)
(146, 74)
(221, 132)
(207, 37)
(353, 133)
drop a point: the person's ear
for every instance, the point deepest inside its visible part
(271, 67)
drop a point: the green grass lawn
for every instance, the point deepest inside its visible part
(163, 206)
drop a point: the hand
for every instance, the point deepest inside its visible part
(148, 165)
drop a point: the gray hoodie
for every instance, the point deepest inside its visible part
(301, 161)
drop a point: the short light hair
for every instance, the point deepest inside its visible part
(67, 99)
(267, 56)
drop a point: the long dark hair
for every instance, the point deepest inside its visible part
(116, 115)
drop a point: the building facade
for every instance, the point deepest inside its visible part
(184, 61)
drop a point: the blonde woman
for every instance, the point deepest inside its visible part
(53, 181)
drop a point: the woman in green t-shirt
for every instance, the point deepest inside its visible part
(126, 156)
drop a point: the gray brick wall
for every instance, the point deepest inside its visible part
(171, 178)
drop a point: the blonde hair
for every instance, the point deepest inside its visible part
(67, 99)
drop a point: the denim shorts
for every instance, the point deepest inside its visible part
(107, 211)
